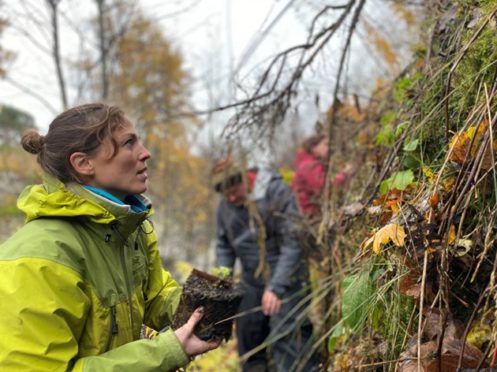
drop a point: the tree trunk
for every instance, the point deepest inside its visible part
(56, 50)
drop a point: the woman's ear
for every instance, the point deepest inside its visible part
(81, 163)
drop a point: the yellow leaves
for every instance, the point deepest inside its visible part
(382, 45)
(389, 233)
(19, 162)
(405, 13)
(182, 269)
(224, 358)
(459, 147)
(466, 144)
(428, 173)
(452, 235)
(389, 204)
(352, 112)
(480, 333)
(448, 183)
(460, 246)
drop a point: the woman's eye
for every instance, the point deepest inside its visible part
(129, 142)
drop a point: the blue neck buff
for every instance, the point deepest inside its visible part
(135, 204)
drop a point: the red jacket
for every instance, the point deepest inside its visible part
(308, 182)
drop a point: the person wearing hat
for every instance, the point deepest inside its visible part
(254, 226)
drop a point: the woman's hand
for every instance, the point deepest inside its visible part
(192, 345)
(271, 304)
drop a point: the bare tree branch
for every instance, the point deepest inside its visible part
(342, 62)
(268, 104)
(56, 50)
(103, 52)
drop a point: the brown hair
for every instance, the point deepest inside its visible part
(312, 142)
(79, 129)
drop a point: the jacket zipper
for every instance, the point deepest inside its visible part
(125, 272)
(128, 287)
(114, 329)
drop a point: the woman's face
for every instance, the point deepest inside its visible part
(321, 149)
(125, 172)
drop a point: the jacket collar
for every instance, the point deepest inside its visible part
(55, 199)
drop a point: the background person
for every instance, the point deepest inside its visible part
(310, 174)
(311, 166)
(83, 274)
(259, 199)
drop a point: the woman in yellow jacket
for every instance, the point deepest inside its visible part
(83, 275)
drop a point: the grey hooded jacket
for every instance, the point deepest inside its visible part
(236, 239)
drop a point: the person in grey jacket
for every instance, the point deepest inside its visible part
(254, 226)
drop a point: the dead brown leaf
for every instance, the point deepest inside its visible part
(391, 232)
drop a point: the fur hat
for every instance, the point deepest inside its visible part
(225, 173)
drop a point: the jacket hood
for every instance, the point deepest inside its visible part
(264, 177)
(55, 199)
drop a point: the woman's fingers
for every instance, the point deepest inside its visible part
(191, 344)
(195, 318)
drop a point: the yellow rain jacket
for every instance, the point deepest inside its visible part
(78, 281)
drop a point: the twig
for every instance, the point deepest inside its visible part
(421, 301)
(252, 110)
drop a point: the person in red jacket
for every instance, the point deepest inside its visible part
(310, 174)
(308, 185)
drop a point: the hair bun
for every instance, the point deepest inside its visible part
(32, 141)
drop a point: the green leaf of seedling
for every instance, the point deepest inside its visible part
(410, 162)
(222, 272)
(384, 187)
(398, 180)
(411, 146)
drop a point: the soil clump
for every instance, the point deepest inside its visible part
(220, 300)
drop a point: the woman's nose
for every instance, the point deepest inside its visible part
(144, 153)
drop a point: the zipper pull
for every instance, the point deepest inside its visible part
(113, 320)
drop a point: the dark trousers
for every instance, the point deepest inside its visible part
(287, 338)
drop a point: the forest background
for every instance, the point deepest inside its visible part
(406, 90)
(181, 92)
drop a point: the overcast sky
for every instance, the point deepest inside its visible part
(210, 34)
(219, 39)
